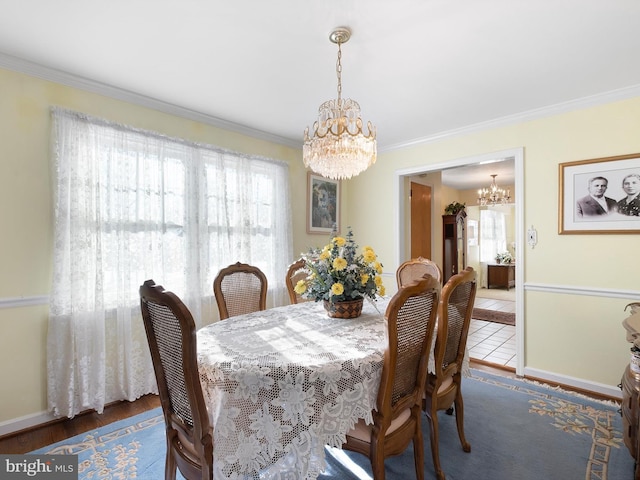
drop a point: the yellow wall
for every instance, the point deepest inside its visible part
(26, 214)
(568, 335)
(574, 336)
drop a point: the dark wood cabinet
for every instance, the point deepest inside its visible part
(630, 412)
(454, 244)
(502, 275)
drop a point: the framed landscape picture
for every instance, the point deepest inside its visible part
(323, 204)
(601, 195)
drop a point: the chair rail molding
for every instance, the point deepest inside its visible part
(18, 302)
(576, 290)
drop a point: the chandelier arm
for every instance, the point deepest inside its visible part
(493, 195)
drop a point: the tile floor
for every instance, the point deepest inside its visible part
(490, 341)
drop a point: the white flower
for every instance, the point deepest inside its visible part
(268, 428)
(293, 399)
(250, 378)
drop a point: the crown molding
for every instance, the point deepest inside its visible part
(58, 76)
(537, 113)
(10, 62)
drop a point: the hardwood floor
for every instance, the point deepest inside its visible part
(40, 436)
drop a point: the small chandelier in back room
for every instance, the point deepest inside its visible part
(493, 195)
(339, 148)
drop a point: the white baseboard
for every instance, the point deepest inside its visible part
(21, 423)
(608, 390)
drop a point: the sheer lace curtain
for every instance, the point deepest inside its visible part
(493, 238)
(132, 205)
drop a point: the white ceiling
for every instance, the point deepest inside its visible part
(478, 175)
(420, 69)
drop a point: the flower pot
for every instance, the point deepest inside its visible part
(348, 309)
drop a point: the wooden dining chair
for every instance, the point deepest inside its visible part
(413, 269)
(411, 317)
(295, 272)
(171, 334)
(444, 385)
(240, 289)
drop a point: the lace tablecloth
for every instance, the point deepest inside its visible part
(282, 383)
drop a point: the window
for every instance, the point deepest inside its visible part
(132, 205)
(493, 234)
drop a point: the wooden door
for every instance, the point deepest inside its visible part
(420, 220)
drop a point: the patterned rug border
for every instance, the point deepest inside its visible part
(570, 412)
(500, 381)
(91, 439)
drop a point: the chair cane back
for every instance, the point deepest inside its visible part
(295, 272)
(411, 318)
(240, 289)
(414, 269)
(443, 387)
(171, 335)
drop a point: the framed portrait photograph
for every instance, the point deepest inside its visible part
(601, 195)
(323, 204)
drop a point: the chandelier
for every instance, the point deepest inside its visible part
(493, 195)
(339, 148)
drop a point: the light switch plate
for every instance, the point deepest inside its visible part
(532, 237)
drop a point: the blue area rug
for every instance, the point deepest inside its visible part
(518, 430)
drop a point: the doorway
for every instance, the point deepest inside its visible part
(403, 221)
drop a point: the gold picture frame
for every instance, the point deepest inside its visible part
(323, 204)
(584, 208)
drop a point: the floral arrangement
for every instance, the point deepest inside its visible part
(504, 257)
(338, 273)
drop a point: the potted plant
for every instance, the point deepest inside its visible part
(454, 208)
(504, 257)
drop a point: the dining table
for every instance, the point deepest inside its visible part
(281, 384)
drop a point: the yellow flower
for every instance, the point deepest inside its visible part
(325, 254)
(381, 290)
(339, 241)
(339, 264)
(364, 278)
(337, 289)
(369, 256)
(367, 247)
(300, 287)
(378, 267)
(378, 281)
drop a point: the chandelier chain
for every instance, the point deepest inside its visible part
(339, 71)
